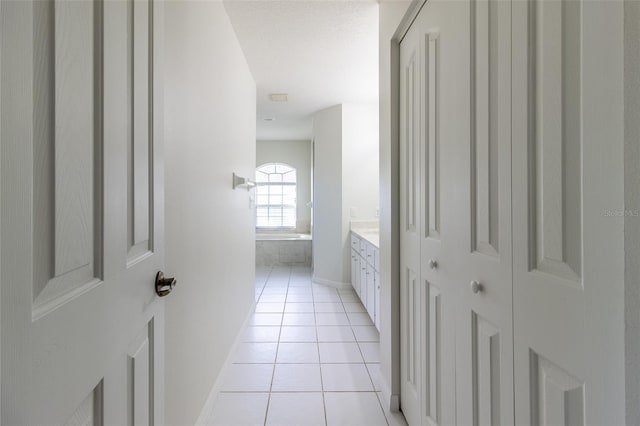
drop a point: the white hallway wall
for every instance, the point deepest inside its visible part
(296, 153)
(345, 182)
(360, 171)
(360, 163)
(327, 195)
(632, 205)
(210, 133)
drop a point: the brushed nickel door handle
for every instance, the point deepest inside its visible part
(164, 286)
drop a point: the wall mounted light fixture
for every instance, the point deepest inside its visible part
(242, 182)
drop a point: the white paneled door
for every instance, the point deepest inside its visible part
(567, 237)
(433, 62)
(82, 212)
(412, 328)
(512, 286)
(484, 332)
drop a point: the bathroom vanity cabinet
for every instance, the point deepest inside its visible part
(365, 272)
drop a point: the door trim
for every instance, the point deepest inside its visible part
(392, 396)
(407, 20)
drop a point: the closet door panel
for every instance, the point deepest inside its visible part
(568, 283)
(484, 342)
(411, 305)
(442, 28)
(435, 114)
(431, 253)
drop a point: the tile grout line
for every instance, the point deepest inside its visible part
(342, 302)
(287, 293)
(275, 360)
(315, 321)
(364, 362)
(264, 284)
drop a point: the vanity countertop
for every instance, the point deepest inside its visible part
(372, 235)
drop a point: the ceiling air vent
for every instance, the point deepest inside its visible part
(279, 97)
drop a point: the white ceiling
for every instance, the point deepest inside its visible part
(321, 53)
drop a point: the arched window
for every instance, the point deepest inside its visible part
(275, 196)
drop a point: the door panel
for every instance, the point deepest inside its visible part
(67, 188)
(431, 138)
(140, 175)
(557, 397)
(486, 118)
(430, 105)
(82, 186)
(434, 352)
(410, 295)
(513, 200)
(568, 270)
(556, 166)
(486, 371)
(442, 53)
(140, 368)
(484, 345)
(411, 356)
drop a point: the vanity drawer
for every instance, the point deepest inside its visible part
(371, 249)
(355, 242)
(376, 259)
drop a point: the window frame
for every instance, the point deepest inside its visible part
(281, 206)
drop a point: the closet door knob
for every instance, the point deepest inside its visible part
(433, 264)
(476, 287)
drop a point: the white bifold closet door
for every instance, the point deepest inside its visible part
(512, 286)
(82, 212)
(482, 277)
(567, 186)
(434, 73)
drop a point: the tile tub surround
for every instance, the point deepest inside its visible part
(302, 362)
(286, 251)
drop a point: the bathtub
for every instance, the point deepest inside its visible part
(283, 249)
(282, 237)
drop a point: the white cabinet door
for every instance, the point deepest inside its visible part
(567, 179)
(355, 273)
(377, 302)
(355, 242)
(484, 333)
(82, 212)
(371, 292)
(362, 264)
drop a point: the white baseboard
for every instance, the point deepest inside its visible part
(336, 284)
(205, 414)
(391, 404)
(390, 401)
(394, 403)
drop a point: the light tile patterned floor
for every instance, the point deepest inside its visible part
(310, 356)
